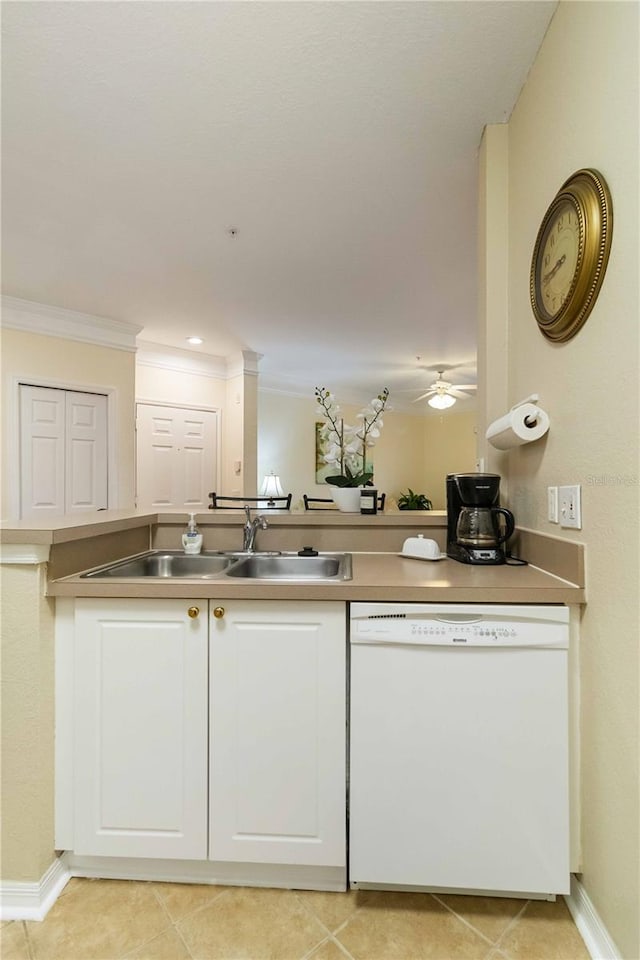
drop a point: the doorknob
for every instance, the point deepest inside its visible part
(218, 612)
(193, 612)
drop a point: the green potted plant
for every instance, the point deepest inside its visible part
(414, 501)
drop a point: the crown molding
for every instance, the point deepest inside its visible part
(243, 363)
(180, 361)
(48, 321)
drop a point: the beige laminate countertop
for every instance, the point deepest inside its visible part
(376, 577)
(378, 572)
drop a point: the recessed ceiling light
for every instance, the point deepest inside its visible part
(195, 340)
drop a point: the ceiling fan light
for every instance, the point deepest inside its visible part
(441, 401)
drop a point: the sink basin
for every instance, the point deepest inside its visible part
(288, 567)
(166, 564)
(291, 567)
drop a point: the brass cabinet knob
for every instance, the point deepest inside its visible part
(193, 612)
(218, 612)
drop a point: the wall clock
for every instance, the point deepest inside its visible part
(570, 255)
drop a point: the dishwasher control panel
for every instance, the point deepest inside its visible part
(478, 627)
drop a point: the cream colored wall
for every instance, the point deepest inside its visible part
(413, 451)
(493, 287)
(27, 670)
(450, 447)
(579, 108)
(238, 477)
(250, 434)
(174, 386)
(79, 365)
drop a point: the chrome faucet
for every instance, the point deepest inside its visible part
(251, 528)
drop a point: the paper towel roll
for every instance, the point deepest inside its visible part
(522, 424)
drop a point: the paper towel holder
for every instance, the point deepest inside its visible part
(525, 422)
(529, 421)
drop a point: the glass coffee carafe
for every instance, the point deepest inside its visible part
(480, 527)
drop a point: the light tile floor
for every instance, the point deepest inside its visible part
(130, 920)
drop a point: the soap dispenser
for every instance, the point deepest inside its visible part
(192, 538)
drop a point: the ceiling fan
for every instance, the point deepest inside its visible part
(443, 394)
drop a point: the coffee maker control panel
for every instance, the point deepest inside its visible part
(485, 555)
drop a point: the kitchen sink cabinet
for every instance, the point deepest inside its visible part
(140, 729)
(277, 732)
(203, 737)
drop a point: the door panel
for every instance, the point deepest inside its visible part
(86, 440)
(176, 457)
(42, 452)
(141, 729)
(277, 733)
(63, 451)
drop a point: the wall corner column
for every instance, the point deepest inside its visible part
(493, 275)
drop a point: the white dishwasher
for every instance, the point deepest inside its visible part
(459, 748)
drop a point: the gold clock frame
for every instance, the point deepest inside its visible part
(587, 191)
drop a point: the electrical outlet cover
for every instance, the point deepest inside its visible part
(570, 507)
(552, 504)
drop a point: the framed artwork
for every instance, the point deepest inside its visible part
(324, 470)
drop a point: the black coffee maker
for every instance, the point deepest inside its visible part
(475, 531)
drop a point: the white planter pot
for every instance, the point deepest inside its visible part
(347, 499)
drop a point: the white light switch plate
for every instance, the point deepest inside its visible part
(552, 504)
(570, 507)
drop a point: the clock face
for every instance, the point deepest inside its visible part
(557, 260)
(570, 255)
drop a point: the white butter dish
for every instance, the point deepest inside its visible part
(421, 548)
(416, 556)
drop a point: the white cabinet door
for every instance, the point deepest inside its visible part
(63, 452)
(176, 454)
(140, 756)
(277, 732)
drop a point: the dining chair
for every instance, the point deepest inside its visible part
(221, 502)
(323, 503)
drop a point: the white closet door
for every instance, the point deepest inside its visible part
(176, 457)
(63, 452)
(42, 452)
(86, 446)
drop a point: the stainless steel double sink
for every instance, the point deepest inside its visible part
(283, 567)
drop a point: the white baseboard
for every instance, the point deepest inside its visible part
(21, 900)
(592, 930)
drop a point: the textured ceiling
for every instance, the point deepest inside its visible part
(339, 139)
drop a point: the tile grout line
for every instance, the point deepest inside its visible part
(160, 932)
(510, 926)
(329, 939)
(30, 949)
(331, 934)
(342, 947)
(309, 910)
(25, 930)
(467, 923)
(182, 940)
(203, 906)
(187, 916)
